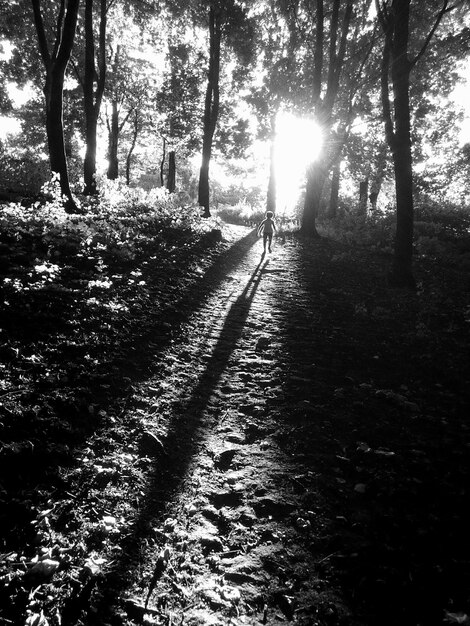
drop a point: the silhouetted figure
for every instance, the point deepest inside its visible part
(267, 228)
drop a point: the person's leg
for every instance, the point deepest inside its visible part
(265, 238)
(270, 239)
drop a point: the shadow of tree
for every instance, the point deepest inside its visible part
(399, 551)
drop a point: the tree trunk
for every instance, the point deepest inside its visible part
(338, 37)
(135, 133)
(113, 138)
(92, 101)
(89, 163)
(55, 136)
(211, 108)
(334, 193)
(401, 274)
(313, 195)
(171, 181)
(56, 65)
(363, 197)
(162, 164)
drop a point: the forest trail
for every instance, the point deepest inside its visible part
(234, 532)
(278, 439)
(291, 461)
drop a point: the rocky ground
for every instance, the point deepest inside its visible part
(296, 450)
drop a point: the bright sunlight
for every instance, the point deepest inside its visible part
(298, 143)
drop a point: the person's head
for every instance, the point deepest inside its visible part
(269, 214)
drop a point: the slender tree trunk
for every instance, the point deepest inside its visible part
(211, 108)
(55, 63)
(92, 101)
(89, 163)
(401, 274)
(317, 173)
(334, 193)
(316, 178)
(395, 23)
(55, 136)
(162, 164)
(171, 182)
(113, 139)
(135, 133)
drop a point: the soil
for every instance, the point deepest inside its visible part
(276, 439)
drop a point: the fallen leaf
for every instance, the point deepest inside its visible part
(36, 619)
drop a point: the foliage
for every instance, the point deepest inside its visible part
(101, 417)
(441, 230)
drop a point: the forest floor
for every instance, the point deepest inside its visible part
(252, 440)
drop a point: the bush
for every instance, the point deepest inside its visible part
(118, 219)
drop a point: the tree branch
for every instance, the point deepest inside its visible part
(383, 15)
(318, 54)
(68, 34)
(59, 29)
(42, 40)
(385, 95)
(440, 15)
(333, 83)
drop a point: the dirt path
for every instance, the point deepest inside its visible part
(232, 543)
(295, 450)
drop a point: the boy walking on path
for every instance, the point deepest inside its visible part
(267, 228)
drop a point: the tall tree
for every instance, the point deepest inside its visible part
(228, 24)
(211, 103)
(326, 75)
(178, 101)
(55, 60)
(323, 46)
(397, 65)
(93, 87)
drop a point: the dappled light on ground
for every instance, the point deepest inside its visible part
(264, 443)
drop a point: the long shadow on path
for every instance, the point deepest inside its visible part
(182, 441)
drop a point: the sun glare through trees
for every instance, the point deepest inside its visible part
(208, 416)
(298, 143)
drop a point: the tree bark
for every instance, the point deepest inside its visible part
(316, 177)
(135, 133)
(92, 100)
(171, 181)
(162, 163)
(211, 108)
(334, 193)
(395, 62)
(113, 140)
(402, 274)
(395, 24)
(317, 172)
(55, 63)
